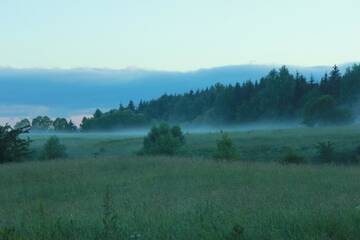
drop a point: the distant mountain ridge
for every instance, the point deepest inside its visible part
(67, 92)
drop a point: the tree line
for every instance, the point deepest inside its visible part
(44, 123)
(278, 96)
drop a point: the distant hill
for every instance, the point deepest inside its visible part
(29, 92)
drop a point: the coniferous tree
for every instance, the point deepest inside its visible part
(334, 82)
(131, 106)
(97, 113)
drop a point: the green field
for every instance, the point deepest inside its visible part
(255, 145)
(118, 195)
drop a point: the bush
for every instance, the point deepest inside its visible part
(292, 158)
(326, 152)
(53, 149)
(163, 139)
(225, 148)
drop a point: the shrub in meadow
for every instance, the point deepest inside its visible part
(163, 140)
(53, 149)
(225, 148)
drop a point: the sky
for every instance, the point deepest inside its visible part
(177, 34)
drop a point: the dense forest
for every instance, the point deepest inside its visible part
(279, 96)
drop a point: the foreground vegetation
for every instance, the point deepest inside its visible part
(103, 190)
(177, 198)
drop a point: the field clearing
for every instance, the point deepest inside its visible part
(252, 145)
(118, 195)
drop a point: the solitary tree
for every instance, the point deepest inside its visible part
(163, 139)
(53, 149)
(225, 149)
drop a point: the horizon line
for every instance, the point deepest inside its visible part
(135, 68)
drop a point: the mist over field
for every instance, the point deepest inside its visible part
(186, 128)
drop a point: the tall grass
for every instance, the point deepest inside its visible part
(177, 198)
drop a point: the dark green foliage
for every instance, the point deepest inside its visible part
(324, 111)
(225, 149)
(350, 85)
(280, 95)
(23, 123)
(12, 147)
(131, 106)
(163, 139)
(291, 157)
(62, 125)
(326, 152)
(114, 119)
(53, 149)
(42, 123)
(98, 113)
(331, 84)
(177, 133)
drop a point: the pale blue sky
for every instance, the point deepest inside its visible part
(177, 34)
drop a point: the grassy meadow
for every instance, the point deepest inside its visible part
(104, 191)
(252, 145)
